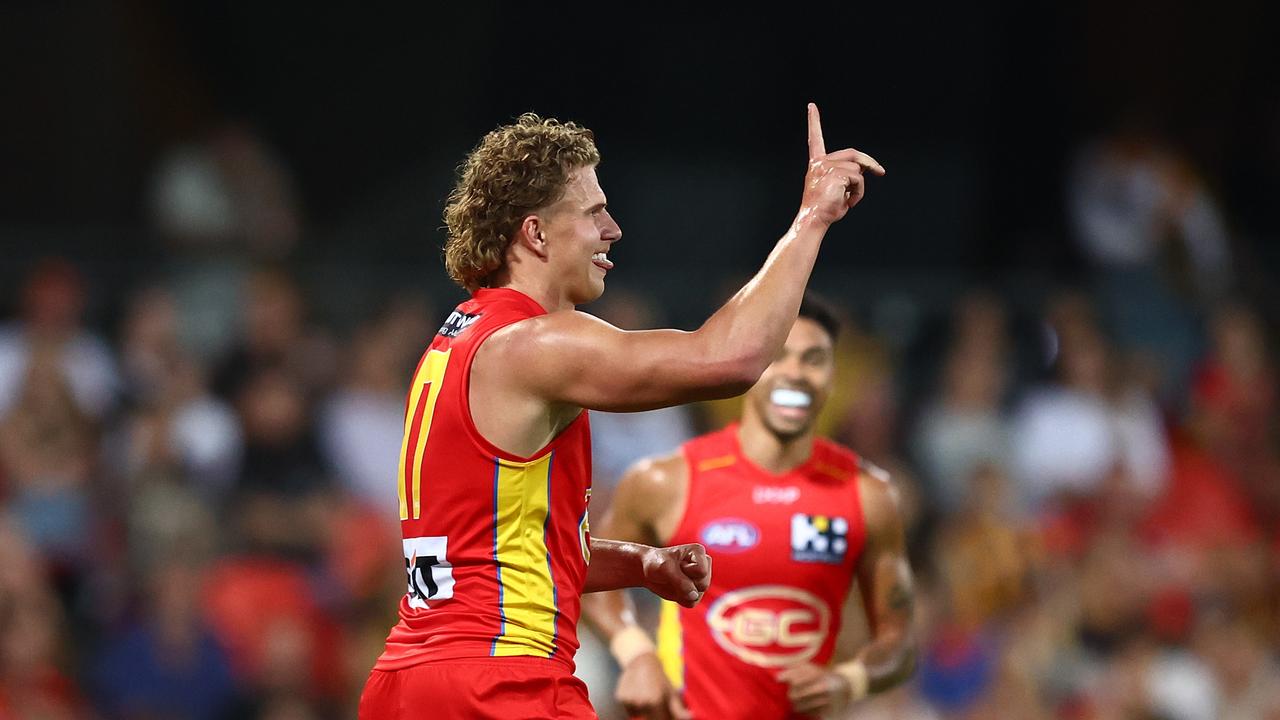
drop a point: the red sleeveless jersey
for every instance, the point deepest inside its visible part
(495, 545)
(785, 549)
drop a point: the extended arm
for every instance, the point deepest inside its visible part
(572, 358)
(679, 573)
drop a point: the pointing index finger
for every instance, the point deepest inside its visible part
(817, 148)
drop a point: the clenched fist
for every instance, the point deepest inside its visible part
(834, 182)
(681, 573)
(815, 690)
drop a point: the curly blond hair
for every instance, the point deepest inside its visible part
(514, 171)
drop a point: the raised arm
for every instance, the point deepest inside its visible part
(575, 359)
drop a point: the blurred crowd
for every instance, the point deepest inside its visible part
(197, 500)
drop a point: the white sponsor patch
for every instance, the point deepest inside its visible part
(774, 494)
(429, 572)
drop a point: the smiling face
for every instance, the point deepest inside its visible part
(793, 389)
(578, 232)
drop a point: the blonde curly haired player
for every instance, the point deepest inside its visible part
(795, 522)
(494, 474)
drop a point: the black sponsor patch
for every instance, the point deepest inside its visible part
(819, 538)
(456, 323)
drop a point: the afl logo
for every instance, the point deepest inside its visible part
(729, 535)
(770, 625)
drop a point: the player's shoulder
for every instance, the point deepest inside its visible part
(558, 328)
(720, 443)
(653, 483)
(656, 472)
(835, 460)
(874, 482)
(878, 495)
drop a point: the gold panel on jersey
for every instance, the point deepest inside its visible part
(527, 589)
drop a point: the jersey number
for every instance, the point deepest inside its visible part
(417, 425)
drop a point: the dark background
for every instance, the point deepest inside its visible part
(698, 112)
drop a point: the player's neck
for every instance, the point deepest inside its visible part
(769, 452)
(542, 293)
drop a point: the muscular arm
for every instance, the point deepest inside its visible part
(679, 573)
(885, 581)
(579, 361)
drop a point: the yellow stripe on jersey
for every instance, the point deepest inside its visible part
(429, 378)
(527, 593)
(671, 643)
(716, 463)
(833, 471)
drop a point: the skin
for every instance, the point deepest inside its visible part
(569, 360)
(650, 501)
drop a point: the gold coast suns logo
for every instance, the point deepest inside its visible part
(770, 625)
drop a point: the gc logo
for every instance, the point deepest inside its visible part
(770, 625)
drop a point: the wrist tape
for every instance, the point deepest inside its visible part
(629, 643)
(856, 673)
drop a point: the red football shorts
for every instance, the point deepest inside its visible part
(477, 689)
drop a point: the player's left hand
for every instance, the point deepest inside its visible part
(681, 573)
(814, 689)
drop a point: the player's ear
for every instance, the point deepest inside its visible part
(532, 235)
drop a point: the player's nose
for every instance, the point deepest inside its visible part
(610, 232)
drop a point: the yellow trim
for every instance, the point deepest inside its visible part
(528, 591)
(415, 391)
(671, 643)
(717, 462)
(431, 376)
(433, 370)
(833, 471)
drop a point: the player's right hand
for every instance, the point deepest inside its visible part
(834, 182)
(644, 691)
(680, 573)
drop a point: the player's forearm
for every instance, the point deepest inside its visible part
(607, 613)
(750, 328)
(889, 660)
(615, 565)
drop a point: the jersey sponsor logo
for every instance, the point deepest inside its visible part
(456, 323)
(774, 495)
(729, 535)
(428, 568)
(819, 538)
(770, 625)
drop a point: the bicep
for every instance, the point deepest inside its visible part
(579, 360)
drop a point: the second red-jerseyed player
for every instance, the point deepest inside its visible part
(794, 523)
(785, 549)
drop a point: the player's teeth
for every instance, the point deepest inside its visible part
(786, 397)
(600, 256)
